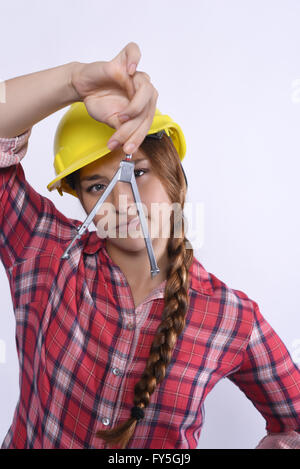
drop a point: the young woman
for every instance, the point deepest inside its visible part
(110, 357)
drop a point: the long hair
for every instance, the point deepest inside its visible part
(165, 163)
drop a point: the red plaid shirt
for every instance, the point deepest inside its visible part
(82, 345)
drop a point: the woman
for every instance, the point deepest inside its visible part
(110, 357)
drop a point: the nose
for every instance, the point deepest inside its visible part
(123, 199)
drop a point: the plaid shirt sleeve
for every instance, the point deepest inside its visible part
(27, 219)
(271, 380)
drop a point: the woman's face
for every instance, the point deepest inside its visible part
(119, 207)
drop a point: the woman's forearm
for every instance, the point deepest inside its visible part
(30, 98)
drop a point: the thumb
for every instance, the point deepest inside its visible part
(128, 59)
(130, 56)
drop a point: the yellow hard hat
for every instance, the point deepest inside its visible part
(80, 139)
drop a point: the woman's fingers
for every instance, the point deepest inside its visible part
(123, 67)
(134, 131)
(138, 136)
(133, 55)
(140, 110)
(129, 56)
(143, 94)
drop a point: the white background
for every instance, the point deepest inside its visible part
(227, 72)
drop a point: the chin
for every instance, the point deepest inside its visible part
(128, 244)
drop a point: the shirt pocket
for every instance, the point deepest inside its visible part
(32, 280)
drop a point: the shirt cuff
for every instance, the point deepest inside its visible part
(13, 149)
(284, 440)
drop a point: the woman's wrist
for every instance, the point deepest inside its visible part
(73, 73)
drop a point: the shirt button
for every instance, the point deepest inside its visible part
(116, 371)
(105, 421)
(130, 325)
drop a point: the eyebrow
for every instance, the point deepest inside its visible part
(95, 176)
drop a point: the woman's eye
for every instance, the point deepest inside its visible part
(138, 170)
(90, 189)
(94, 185)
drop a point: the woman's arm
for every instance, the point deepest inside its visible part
(30, 98)
(271, 380)
(113, 92)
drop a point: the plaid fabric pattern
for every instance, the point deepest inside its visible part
(82, 345)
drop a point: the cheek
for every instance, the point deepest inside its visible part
(87, 204)
(159, 209)
(105, 213)
(154, 192)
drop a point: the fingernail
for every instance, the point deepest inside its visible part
(113, 144)
(124, 117)
(131, 69)
(129, 148)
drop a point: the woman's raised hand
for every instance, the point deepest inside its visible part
(114, 89)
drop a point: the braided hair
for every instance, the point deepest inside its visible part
(166, 164)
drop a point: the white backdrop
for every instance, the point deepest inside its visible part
(228, 71)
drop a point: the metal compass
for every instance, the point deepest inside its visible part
(125, 173)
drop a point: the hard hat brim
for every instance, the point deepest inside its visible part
(84, 161)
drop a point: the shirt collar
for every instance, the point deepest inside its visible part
(200, 278)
